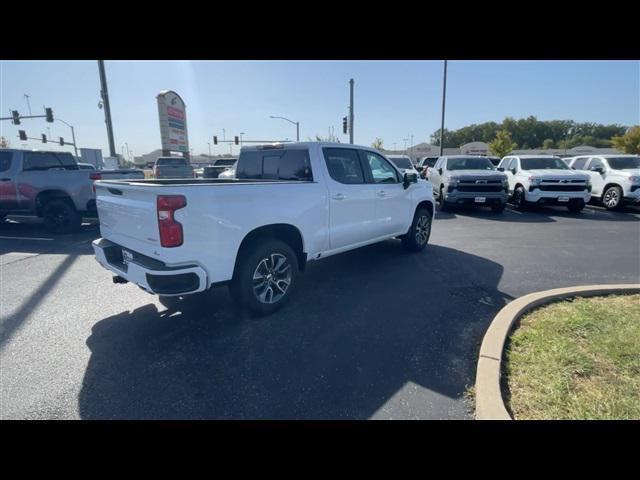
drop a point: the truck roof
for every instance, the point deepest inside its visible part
(303, 144)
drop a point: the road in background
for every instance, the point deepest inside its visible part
(372, 333)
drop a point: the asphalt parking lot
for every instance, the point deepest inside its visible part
(373, 333)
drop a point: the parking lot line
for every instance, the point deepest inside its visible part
(26, 238)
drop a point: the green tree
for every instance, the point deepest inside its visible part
(548, 143)
(377, 143)
(502, 144)
(629, 142)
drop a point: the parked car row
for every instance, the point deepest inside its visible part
(525, 180)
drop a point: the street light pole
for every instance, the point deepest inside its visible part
(209, 143)
(73, 135)
(444, 95)
(297, 124)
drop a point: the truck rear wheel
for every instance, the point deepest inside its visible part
(265, 277)
(60, 216)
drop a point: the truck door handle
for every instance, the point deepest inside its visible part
(382, 193)
(338, 196)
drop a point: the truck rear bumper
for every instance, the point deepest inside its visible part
(148, 273)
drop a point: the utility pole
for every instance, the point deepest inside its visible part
(411, 148)
(444, 95)
(351, 111)
(104, 93)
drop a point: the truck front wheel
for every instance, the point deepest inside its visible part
(60, 216)
(418, 235)
(265, 277)
(519, 200)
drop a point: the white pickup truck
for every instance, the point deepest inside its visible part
(545, 180)
(288, 204)
(615, 178)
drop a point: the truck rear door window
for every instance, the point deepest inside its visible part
(344, 165)
(283, 165)
(5, 161)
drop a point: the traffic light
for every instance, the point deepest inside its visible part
(22, 134)
(16, 117)
(49, 113)
(44, 138)
(215, 140)
(237, 140)
(62, 141)
(344, 125)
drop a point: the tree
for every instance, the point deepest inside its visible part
(502, 144)
(548, 143)
(377, 144)
(629, 142)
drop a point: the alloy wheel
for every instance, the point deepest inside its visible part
(272, 278)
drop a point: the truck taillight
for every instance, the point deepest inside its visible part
(170, 229)
(95, 176)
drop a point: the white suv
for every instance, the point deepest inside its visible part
(615, 178)
(544, 179)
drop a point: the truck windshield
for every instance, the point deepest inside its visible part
(469, 163)
(172, 161)
(622, 163)
(401, 162)
(542, 163)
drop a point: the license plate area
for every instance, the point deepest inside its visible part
(127, 257)
(563, 199)
(480, 199)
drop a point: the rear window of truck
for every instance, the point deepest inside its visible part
(48, 160)
(274, 165)
(171, 161)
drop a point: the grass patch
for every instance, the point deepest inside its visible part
(576, 359)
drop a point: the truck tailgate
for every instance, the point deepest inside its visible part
(128, 215)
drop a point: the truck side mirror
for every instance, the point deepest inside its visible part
(440, 171)
(500, 169)
(513, 170)
(597, 169)
(409, 178)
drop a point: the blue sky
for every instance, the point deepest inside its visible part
(393, 99)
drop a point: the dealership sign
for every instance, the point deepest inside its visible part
(173, 122)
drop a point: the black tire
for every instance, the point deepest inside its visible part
(519, 198)
(418, 235)
(60, 216)
(498, 207)
(575, 206)
(612, 198)
(263, 258)
(170, 302)
(441, 202)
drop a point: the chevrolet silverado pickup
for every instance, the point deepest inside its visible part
(289, 204)
(49, 185)
(173, 167)
(464, 179)
(615, 179)
(543, 179)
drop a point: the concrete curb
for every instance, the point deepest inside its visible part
(488, 395)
